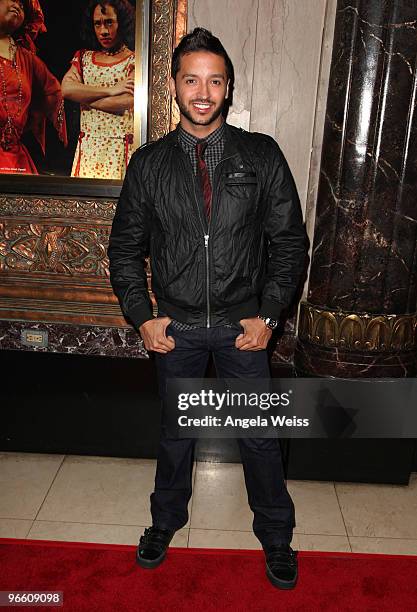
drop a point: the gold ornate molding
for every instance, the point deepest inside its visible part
(46, 207)
(180, 30)
(168, 25)
(357, 331)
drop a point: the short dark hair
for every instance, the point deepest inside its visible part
(125, 17)
(200, 39)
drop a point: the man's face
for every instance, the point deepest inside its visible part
(200, 88)
(11, 15)
(106, 26)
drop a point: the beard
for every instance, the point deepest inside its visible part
(201, 120)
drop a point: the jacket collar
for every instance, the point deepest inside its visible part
(231, 140)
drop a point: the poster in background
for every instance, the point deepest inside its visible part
(56, 48)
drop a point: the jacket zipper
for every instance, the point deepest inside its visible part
(206, 241)
(206, 245)
(207, 236)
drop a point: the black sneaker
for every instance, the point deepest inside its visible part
(153, 546)
(281, 566)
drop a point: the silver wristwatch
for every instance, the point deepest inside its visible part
(271, 323)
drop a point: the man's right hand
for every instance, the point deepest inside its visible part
(154, 336)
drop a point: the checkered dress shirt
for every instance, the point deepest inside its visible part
(213, 152)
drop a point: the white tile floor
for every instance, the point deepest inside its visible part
(102, 499)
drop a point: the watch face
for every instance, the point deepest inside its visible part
(271, 323)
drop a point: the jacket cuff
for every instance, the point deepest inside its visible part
(269, 308)
(139, 314)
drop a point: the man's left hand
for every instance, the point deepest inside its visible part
(255, 337)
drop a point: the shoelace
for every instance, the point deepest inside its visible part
(153, 536)
(281, 558)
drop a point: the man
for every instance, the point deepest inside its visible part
(217, 210)
(101, 80)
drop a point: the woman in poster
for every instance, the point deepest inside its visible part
(101, 80)
(29, 92)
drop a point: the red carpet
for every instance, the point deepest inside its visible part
(104, 578)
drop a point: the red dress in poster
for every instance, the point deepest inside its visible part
(29, 94)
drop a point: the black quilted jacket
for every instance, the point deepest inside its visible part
(247, 261)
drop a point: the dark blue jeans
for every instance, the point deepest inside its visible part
(269, 500)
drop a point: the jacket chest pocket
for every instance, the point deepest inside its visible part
(241, 185)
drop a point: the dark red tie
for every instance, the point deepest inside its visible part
(204, 176)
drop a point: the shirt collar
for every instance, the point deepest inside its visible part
(188, 140)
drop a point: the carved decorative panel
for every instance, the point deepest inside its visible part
(58, 249)
(53, 261)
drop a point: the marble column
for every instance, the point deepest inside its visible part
(359, 319)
